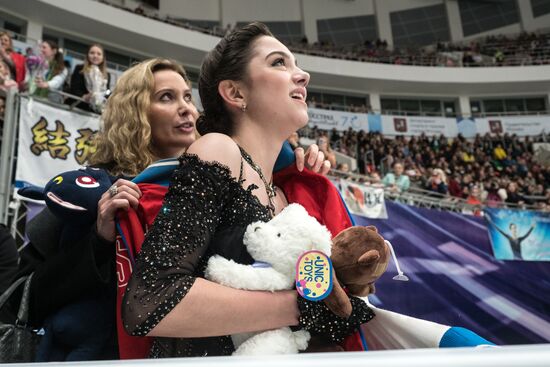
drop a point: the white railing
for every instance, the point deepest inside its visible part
(509, 356)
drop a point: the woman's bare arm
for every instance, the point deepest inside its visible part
(210, 309)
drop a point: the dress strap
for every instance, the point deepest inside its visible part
(241, 171)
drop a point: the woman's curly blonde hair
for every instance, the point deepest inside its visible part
(124, 142)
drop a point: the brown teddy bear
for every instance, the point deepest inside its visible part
(359, 257)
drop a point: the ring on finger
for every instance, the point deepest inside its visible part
(113, 190)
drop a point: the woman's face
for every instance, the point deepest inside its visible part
(95, 55)
(172, 115)
(323, 143)
(5, 41)
(4, 71)
(47, 51)
(275, 87)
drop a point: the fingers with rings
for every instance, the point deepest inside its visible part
(113, 190)
(123, 194)
(122, 190)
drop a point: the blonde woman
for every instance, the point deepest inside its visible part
(438, 182)
(324, 147)
(15, 61)
(91, 80)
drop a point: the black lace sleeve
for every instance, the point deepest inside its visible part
(166, 267)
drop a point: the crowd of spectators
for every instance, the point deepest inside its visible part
(501, 50)
(44, 72)
(489, 169)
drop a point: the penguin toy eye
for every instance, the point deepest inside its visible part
(86, 182)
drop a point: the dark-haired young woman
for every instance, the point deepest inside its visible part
(254, 97)
(54, 77)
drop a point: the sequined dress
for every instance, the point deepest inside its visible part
(203, 206)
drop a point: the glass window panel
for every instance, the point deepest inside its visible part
(333, 98)
(356, 101)
(419, 26)
(540, 7)
(479, 16)
(389, 104)
(13, 27)
(430, 106)
(475, 106)
(409, 105)
(535, 104)
(493, 105)
(514, 105)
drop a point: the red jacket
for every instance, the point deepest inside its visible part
(20, 68)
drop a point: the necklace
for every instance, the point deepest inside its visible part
(269, 187)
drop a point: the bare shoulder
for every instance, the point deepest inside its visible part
(215, 147)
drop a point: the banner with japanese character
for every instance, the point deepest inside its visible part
(51, 140)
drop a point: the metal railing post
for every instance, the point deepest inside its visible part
(8, 152)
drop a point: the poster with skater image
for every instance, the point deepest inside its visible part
(519, 234)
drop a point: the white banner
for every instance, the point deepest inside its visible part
(51, 141)
(340, 120)
(364, 200)
(519, 125)
(417, 125)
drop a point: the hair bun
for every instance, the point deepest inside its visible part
(204, 126)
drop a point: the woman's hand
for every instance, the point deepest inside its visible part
(313, 159)
(40, 83)
(125, 195)
(317, 318)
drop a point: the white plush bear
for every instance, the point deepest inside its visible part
(279, 243)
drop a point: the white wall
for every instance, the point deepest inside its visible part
(453, 17)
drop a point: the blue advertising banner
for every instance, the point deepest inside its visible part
(519, 234)
(456, 280)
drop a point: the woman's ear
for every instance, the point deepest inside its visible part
(231, 93)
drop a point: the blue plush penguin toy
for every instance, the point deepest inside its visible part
(71, 333)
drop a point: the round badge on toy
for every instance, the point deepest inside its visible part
(314, 275)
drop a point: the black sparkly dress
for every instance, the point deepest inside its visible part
(204, 212)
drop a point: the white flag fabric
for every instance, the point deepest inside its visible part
(366, 201)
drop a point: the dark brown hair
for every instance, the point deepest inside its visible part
(227, 61)
(59, 60)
